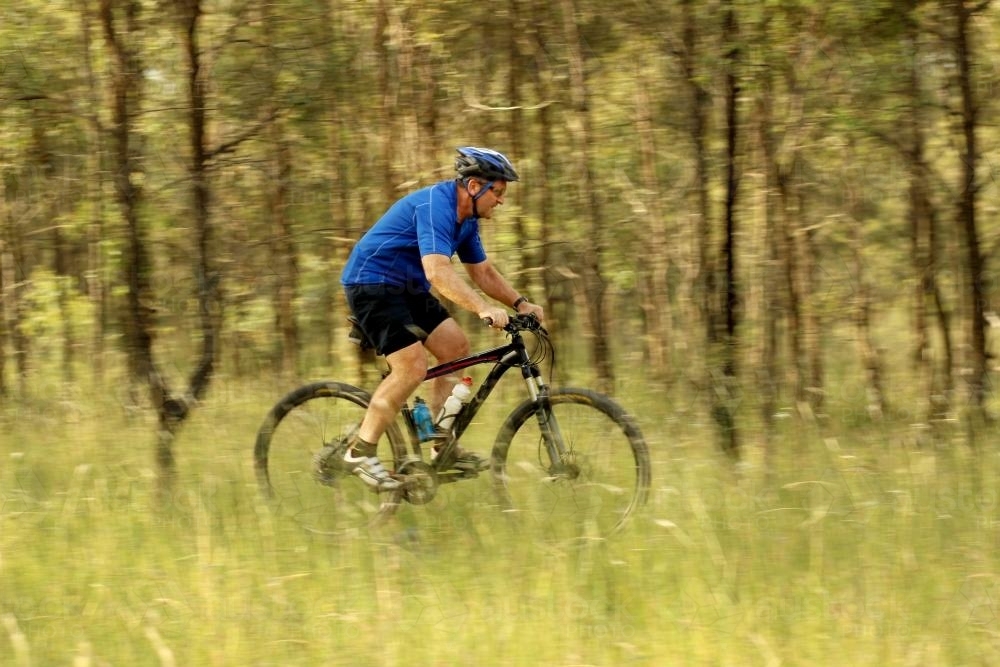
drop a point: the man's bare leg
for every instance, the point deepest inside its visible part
(408, 367)
(447, 342)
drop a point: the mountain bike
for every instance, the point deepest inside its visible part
(572, 461)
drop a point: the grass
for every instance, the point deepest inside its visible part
(858, 547)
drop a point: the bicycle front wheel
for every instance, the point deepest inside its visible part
(585, 480)
(298, 427)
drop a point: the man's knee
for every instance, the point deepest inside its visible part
(448, 342)
(460, 348)
(409, 363)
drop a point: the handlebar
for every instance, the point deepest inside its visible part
(518, 322)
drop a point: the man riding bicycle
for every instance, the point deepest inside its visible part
(388, 280)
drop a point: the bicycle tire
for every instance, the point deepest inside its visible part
(607, 451)
(294, 430)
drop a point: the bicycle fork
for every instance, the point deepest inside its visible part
(560, 454)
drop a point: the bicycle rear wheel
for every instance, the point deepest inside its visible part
(601, 477)
(297, 427)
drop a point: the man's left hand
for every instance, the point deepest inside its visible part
(526, 308)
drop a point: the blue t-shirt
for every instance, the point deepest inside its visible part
(424, 222)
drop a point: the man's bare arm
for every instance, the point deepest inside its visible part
(490, 280)
(493, 284)
(443, 277)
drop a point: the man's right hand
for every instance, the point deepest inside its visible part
(497, 317)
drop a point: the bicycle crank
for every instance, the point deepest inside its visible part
(420, 483)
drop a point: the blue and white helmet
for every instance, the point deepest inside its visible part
(484, 163)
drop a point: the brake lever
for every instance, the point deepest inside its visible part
(527, 322)
(530, 322)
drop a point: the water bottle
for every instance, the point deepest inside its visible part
(422, 419)
(460, 395)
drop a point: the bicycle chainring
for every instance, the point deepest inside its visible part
(420, 483)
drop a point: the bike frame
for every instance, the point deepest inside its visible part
(505, 357)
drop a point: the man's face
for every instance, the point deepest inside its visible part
(493, 197)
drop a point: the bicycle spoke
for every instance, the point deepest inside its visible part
(332, 503)
(592, 490)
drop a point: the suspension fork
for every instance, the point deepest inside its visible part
(555, 445)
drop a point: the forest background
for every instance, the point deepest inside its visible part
(728, 196)
(770, 229)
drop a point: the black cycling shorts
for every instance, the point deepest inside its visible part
(394, 317)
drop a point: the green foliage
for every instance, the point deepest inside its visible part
(49, 305)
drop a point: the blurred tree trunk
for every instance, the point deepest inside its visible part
(941, 389)
(120, 23)
(923, 238)
(407, 155)
(284, 251)
(6, 222)
(518, 261)
(592, 260)
(427, 107)
(712, 300)
(772, 283)
(61, 268)
(19, 292)
(968, 196)
(387, 86)
(43, 192)
(868, 354)
(918, 213)
(871, 361)
(554, 297)
(93, 185)
(701, 276)
(18, 202)
(725, 394)
(788, 211)
(206, 274)
(284, 254)
(653, 289)
(336, 210)
(344, 229)
(813, 320)
(783, 152)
